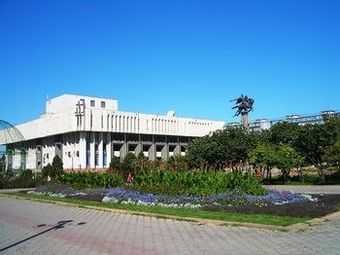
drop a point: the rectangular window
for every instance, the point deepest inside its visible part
(96, 159)
(104, 149)
(102, 104)
(92, 103)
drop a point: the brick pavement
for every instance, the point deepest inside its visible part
(28, 227)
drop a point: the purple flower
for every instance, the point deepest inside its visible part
(119, 195)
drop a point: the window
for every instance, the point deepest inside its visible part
(92, 103)
(102, 104)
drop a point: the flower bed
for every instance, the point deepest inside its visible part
(125, 196)
(284, 203)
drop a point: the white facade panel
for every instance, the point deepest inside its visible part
(60, 117)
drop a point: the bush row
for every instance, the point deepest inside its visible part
(24, 179)
(170, 183)
(82, 180)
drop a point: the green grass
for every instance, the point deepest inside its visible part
(177, 212)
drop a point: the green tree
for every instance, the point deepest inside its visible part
(236, 144)
(205, 152)
(263, 137)
(311, 143)
(284, 133)
(57, 165)
(332, 155)
(287, 158)
(46, 171)
(332, 125)
(230, 145)
(54, 170)
(263, 157)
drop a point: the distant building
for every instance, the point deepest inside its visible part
(86, 132)
(301, 120)
(259, 125)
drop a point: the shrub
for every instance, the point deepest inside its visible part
(24, 179)
(53, 170)
(129, 164)
(46, 171)
(196, 182)
(82, 180)
(57, 166)
(115, 164)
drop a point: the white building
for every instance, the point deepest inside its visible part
(260, 125)
(86, 132)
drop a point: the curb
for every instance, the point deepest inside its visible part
(298, 227)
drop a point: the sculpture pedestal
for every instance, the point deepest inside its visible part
(245, 121)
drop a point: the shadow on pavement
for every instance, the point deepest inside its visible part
(59, 225)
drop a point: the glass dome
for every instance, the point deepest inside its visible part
(11, 145)
(9, 134)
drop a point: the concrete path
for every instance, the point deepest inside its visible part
(308, 189)
(28, 227)
(15, 190)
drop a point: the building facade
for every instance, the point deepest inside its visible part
(86, 132)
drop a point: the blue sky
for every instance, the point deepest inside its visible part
(187, 56)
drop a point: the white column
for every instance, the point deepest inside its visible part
(152, 152)
(82, 150)
(100, 150)
(165, 152)
(177, 150)
(92, 152)
(108, 149)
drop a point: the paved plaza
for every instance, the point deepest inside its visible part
(28, 227)
(307, 189)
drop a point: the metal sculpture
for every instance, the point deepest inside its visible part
(244, 105)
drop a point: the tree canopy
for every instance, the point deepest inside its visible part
(285, 145)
